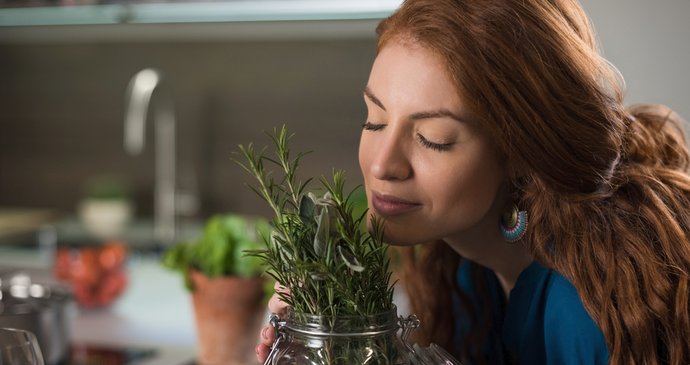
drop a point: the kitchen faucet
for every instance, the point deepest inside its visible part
(138, 97)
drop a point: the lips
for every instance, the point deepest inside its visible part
(390, 205)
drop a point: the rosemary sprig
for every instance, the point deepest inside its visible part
(317, 249)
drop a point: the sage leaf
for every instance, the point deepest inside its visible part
(306, 208)
(322, 232)
(349, 258)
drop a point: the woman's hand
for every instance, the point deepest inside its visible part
(267, 336)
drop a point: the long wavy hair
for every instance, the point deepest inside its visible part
(606, 186)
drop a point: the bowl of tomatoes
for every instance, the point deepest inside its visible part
(96, 273)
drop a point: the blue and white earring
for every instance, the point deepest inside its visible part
(513, 223)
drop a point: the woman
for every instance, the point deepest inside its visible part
(558, 219)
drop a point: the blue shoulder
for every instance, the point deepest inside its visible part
(571, 336)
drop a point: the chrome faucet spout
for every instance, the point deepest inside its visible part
(139, 97)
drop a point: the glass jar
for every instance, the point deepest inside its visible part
(304, 339)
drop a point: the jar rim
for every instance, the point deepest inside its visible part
(342, 325)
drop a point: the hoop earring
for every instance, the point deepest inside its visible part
(513, 223)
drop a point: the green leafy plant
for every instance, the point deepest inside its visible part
(317, 248)
(220, 249)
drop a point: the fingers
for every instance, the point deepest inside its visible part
(279, 288)
(265, 341)
(267, 336)
(275, 304)
(262, 352)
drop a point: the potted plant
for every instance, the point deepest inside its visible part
(226, 286)
(340, 296)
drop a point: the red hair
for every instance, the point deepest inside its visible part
(606, 187)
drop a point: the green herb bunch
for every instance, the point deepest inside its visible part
(317, 248)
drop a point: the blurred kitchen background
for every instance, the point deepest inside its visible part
(230, 71)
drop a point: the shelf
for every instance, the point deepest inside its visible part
(199, 21)
(198, 12)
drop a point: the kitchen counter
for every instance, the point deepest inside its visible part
(155, 312)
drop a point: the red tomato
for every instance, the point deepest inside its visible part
(63, 263)
(86, 269)
(112, 255)
(96, 273)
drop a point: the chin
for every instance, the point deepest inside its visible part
(400, 236)
(400, 242)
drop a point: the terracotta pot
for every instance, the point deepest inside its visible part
(227, 312)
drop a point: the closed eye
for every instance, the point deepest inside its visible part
(441, 147)
(368, 126)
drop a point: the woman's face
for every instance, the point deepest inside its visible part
(428, 173)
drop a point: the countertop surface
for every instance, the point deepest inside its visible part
(155, 311)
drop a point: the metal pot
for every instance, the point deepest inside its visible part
(44, 310)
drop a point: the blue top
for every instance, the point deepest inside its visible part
(543, 322)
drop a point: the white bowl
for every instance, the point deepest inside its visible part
(105, 218)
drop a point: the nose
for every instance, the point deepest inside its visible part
(390, 159)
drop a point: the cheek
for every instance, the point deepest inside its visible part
(364, 157)
(364, 153)
(465, 190)
(444, 187)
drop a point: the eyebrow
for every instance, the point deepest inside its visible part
(373, 98)
(441, 113)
